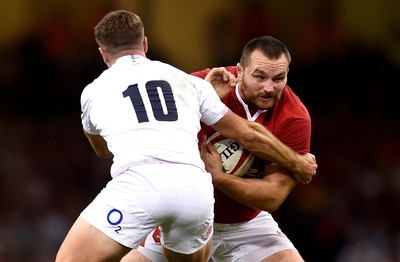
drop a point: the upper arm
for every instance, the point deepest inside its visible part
(99, 145)
(296, 134)
(235, 127)
(279, 182)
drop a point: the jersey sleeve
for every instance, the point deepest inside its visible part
(202, 73)
(290, 122)
(86, 106)
(211, 107)
(297, 134)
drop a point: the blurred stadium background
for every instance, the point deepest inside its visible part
(346, 68)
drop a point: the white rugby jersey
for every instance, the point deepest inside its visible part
(148, 110)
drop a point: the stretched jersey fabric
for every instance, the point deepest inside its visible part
(288, 120)
(149, 111)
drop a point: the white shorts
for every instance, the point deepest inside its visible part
(179, 198)
(249, 241)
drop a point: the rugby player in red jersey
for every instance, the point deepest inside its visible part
(244, 229)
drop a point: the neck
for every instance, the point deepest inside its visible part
(113, 58)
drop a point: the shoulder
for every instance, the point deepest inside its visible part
(170, 69)
(175, 74)
(291, 104)
(203, 73)
(88, 90)
(290, 122)
(97, 87)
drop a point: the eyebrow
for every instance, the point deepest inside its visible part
(282, 74)
(259, 71)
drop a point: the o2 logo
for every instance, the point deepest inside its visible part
(114, 218)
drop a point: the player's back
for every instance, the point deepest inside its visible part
(147, 110)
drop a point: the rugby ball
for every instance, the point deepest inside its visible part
(235, 159)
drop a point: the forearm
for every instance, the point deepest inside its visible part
(264, 194)
(99, 145)
(267, 146)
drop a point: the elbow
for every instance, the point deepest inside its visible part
(250, 142)
(271, 205)
(104, 154)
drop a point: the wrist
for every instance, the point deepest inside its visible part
(218, 177)
(297, 167)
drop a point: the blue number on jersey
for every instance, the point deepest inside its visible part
(171, 113)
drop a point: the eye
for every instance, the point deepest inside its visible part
(260, 77)
(279, 79)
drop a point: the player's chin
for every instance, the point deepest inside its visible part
(266, 103)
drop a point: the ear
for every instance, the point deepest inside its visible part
(239, 70)
(145, 45)
(104, 55)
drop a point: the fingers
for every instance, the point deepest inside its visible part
(229, 77)
(310, 169)
(304, 181)
(222, 73)
(313, 157)
(203, 144)
(212, 149)
(206, 147)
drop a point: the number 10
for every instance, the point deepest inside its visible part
(152, 89)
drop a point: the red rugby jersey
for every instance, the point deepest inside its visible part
(289, 121)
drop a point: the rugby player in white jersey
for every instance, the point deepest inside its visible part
(146, 115)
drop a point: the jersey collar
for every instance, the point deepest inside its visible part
(246, 107)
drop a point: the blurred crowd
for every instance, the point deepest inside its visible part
(350, 211)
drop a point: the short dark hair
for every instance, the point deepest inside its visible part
(118, 31)
(268, 45)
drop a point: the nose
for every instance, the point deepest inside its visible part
(269, 86)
